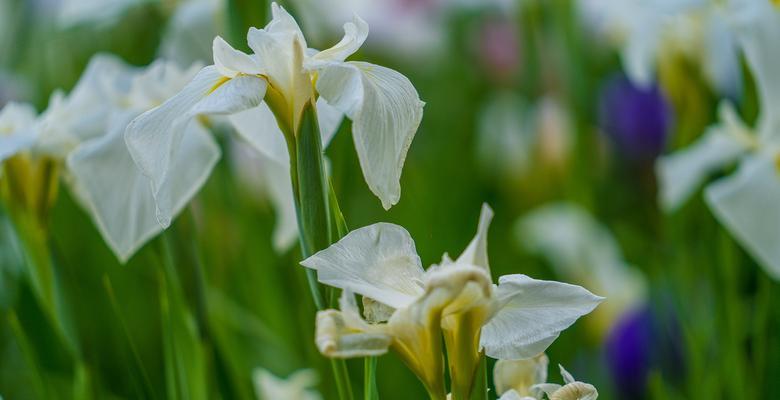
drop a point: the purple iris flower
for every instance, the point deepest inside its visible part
(636, 119)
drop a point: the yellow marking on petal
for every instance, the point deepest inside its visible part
(219, 83)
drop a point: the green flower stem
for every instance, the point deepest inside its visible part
(370, 391)
(311, 192)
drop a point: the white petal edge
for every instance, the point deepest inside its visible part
(680, 174)
(125, 214)
(747, 203)
(532, 315)
(476, 252)
(355, 34)
(386, 112)
(231, 62)
(378, 261)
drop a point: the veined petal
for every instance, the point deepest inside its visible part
(153, 137)
(386, 111)
(238, 94)
(681, 173)
(476, 252)
(125, 214)
(532, 315)
(355, 33)
(378, 261)
(231, 62)
(746, 203)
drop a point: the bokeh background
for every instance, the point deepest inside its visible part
(528, 106)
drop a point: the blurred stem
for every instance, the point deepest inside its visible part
(370, 391)
(27, 350)
(733, 364)
(307, 172)
(480, 389)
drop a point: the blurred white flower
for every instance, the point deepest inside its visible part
(571, 390)
(517, 377)
(747, 202)
(584, 251)
(518, 318)
(17, 128)
(282, 75)
(84, 131)
(74, 12)
(650, 30)
(297, 386)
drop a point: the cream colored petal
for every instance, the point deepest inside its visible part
(386, 111)
(680, 174)
(476, 252)
(343, 334)
(355, 33)
(119, 198)
(520, 375)
(747, 203)
(154, 137)
(378, 261)
(231, 62)
(532, 315)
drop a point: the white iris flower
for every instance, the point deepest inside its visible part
(298, 386)
(84, 131)
(285, 76)
(518, 318)
(747, 202)
(515, 379)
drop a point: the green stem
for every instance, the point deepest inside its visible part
(370, 391)
(307, 173)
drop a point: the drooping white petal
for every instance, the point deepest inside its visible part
(681, 173)
(476, 252)
(747, 203)
(640, 52)
(231, 62)
(119, 198)
(153, 137)
(378, 261)
(532, 315)
(238, 94)
(355, 33)
(17, 132)
(386, 111)
(759, 28)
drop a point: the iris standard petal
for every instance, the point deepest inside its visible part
(378, 261)
(386, 111)
(231, 62)
(476, 252)
(747, 203)
(532, 315)
(355, 34)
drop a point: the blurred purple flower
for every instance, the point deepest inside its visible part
(641, 341)
(628, 351)
(636, 119)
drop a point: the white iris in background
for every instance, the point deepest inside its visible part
(518, 318)
(85, 131)
(582, 250)
(297, 386)
(649, 30)
(17, 128)
(284, 76)
(515, 379)
(747, 202)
